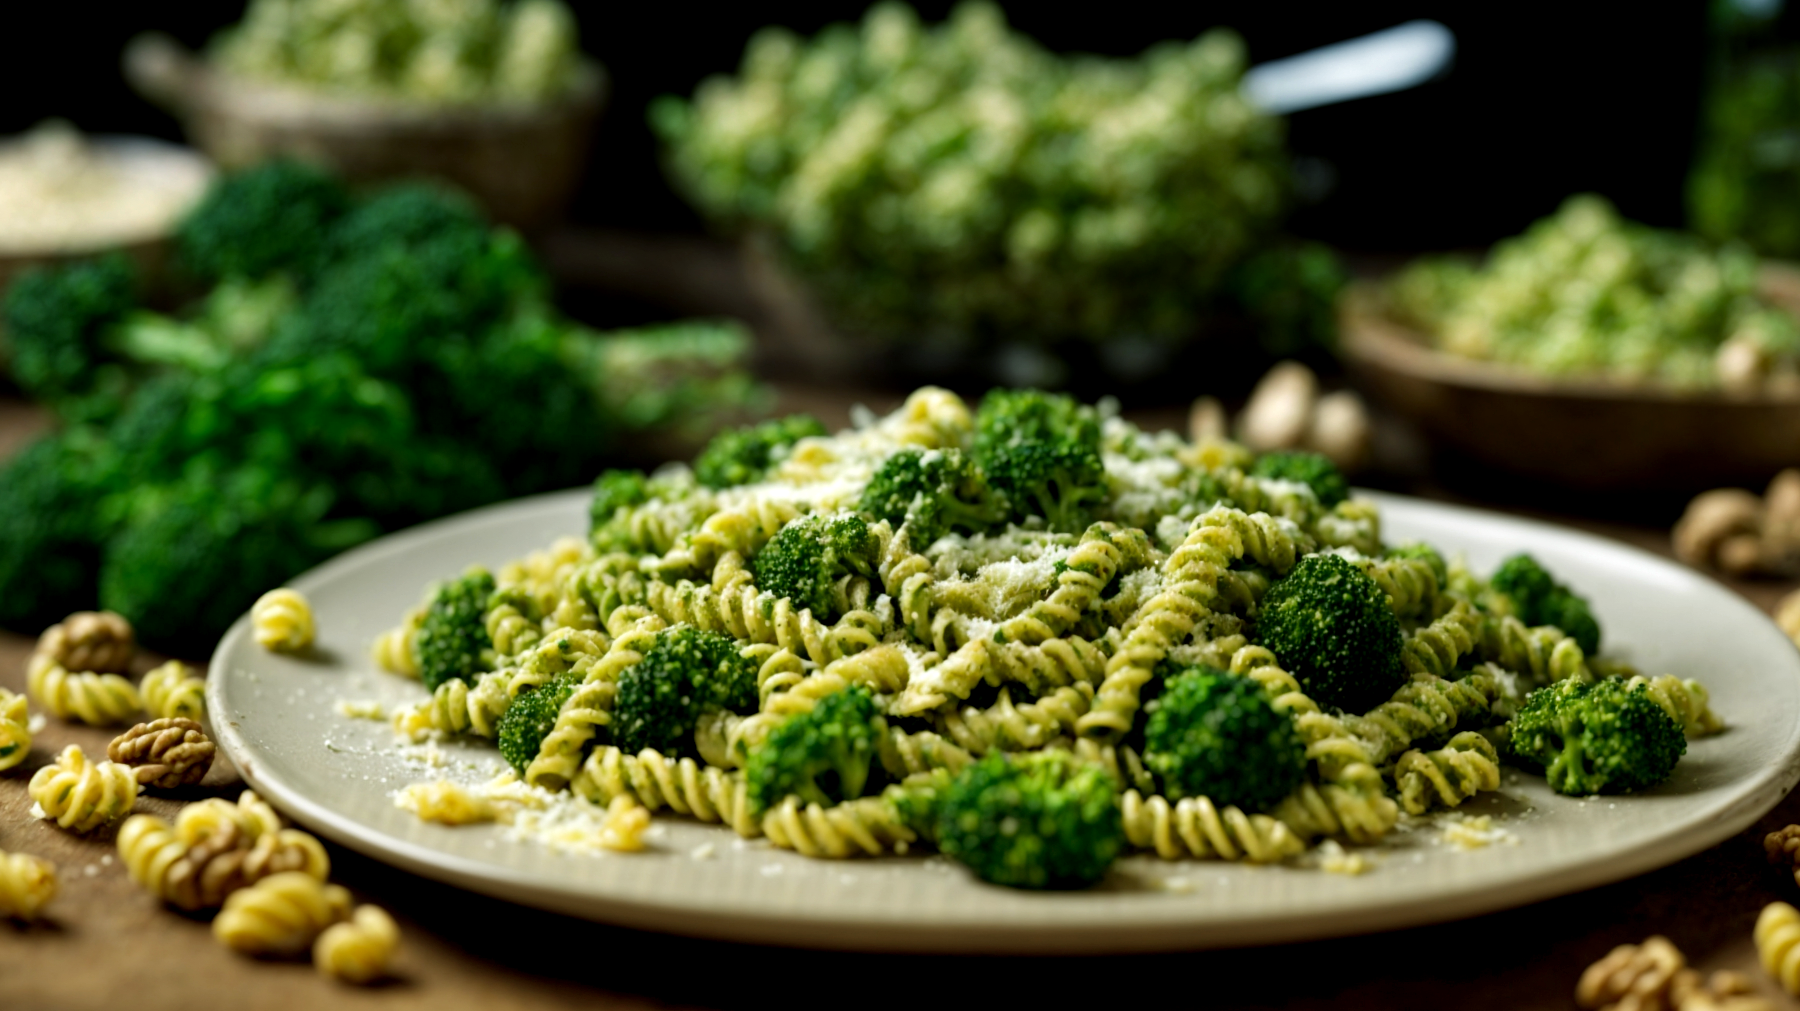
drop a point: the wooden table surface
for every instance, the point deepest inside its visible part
(106, 942)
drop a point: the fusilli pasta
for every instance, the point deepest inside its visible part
(27, 884)
(359, 949)
(15, 729)
(282, 621)
(280, 915)
(174, 691)
(82, 795)
(96, 699)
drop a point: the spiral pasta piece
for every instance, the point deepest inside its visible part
(1353, 524)
(903, 754)
(250, 815)
(743, 528)
(359, 949)
(280, 915)
(1120, 760)
(744, 613)
(1274, 542)
(1411, 585)
(1450, 775)
(1258, 664)
(282, 621)
(1195, 827)
(82, 795)
(1686, 702)
(15, 729)
(589, 707)
(396, 650)
(1040, 669)
(1105, 550)
(908, 577)
(1542, 655)
(27, 884)
(684, 786)
(200, 873)
(511, 629)
(174, 691)
(1354, 807)
(95, 699)
(1439, 646)
(1777, 938)
(867, 826)
(1009, 727)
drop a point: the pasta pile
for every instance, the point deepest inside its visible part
(1016, 639)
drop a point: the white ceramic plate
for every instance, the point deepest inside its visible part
(277, 718)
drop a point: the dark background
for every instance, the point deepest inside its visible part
(1544, 99)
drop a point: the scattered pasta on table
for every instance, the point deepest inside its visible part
(27, 884)
(82, 795)
(282, 621)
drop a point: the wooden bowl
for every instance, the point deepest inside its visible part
(1582, 434)
(521, 161)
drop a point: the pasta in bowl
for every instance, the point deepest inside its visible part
(1040, 686)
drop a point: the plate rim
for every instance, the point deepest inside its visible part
(831, 930)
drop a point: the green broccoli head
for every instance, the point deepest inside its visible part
(532, 716)
(1601, 737)
(272, 218)
(1330, 625)
(49, 556)
(1425, 553)
(453, 637)
(1534, 596)
(1213, 734)
(807, 556)
(744, 455)
(684, 673)
(55, 319)
(192, 556)
(1036, 820)
(1042, 451)
(615, 490)
(821, 755)
(938, 490)
(1315, 470)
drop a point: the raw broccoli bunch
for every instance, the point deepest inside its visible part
(744, 455)
(57, 320)
(253, 224)
(938, 491)
(685, 672)
(822, 755)
(808, 556)
(532, 716)
(49, 554)
(1527, 590)
(453, 640)
(1042, 451)
(1606, 736)
(1213, 734)
(1041, 819)
(1315, 470)
(1330, 625)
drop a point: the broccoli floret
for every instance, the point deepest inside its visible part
(1041, 451)
(1425, 553)
(453, 636)
(272, 218)
(407, 216)
(1600, 737)
(193, 556)
(822, 755)
(684, 673)
(56, 319)
(1315, 470)
(1534, 596)
(743, 455)
(49, 555)
(615, 490)
(1036, 820)
(938, 490)
(532, 716)
(1213, 734)
(1330, 625)
(807, 556)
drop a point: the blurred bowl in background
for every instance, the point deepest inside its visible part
(64, 196)
(1585, 435)
(522, 161)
